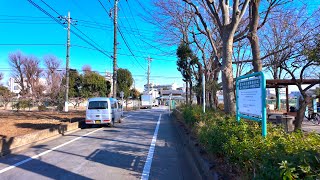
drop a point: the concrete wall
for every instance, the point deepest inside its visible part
(12, 144)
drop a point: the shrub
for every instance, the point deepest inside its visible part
(60, 107)
(280, 155)
(22, 104)
(221, 106)
(42, 108)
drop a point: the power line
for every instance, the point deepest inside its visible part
(75, 45)
(72, 24)
(124, 40)
(100, 72)
(33, 44)
(133, 18)
(57, 21)
(47, 19)
(134, 42)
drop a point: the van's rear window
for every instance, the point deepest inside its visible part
(98, 105)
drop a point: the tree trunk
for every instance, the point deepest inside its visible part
(186, 92)
(227, 73)
(190, 90)
(198, 99)
(216, 72)
(256, 63)
(253, 36)
(300, 114)
(277, 98)
(215, 101)
(210, 100)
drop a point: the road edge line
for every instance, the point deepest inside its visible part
(148, 163)
(45, 152)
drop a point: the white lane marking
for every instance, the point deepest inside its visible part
(147, 165)
(126, 117)
(45, 152)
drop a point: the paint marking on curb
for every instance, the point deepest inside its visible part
(147, 165)
(45, 152)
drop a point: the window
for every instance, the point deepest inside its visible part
(98, 105)
(15, 88)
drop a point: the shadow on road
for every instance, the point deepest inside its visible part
(42, 168)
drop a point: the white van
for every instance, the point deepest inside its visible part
(102, 110)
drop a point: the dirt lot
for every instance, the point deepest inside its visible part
(19, 123)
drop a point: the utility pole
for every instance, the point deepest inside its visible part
(148, 79)
(148, 73)
(115, 19)
(67, 20)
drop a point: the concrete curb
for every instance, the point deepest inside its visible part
(14, 144)
(203, 166)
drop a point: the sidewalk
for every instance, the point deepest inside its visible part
(309, 126)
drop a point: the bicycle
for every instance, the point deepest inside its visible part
(314, 118)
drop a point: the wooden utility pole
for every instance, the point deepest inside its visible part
(114, 83)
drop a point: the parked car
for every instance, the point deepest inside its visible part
(102, 110)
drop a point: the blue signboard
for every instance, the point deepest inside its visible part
(251, 99)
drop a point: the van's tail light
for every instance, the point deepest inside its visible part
(88, 121)
(106, 120)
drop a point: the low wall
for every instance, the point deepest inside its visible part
(10, 144)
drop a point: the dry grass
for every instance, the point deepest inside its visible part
(19, 123)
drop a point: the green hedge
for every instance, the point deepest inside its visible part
(279, 156)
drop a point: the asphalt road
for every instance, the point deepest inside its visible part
(144, 146)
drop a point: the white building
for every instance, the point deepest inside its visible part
(172, 86)
(13, 86)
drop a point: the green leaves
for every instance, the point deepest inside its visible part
(88, 85)
(279, 156)
(287, 172)
(124, 82)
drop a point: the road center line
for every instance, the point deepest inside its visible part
(45, 152)
(147, 165)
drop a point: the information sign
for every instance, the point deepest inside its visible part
(251, 99)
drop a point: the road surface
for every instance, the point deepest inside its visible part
(144, 146)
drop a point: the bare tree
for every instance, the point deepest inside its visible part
(227, 22)
(254, 26)
(288, 41)
(293, 67)
(240, 55)
(86, 68)
(280, 36)
(53, 75)
(32, 71)
(16, 61)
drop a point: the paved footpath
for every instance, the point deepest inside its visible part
(144, 146)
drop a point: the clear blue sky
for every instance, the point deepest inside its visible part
(22, 23)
